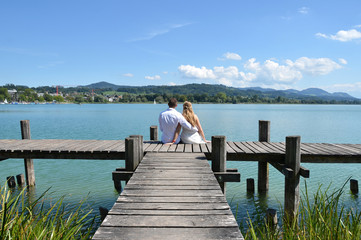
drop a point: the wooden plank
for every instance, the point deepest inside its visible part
(229, 148)
(349, 148)
(172, 148)
(276, 149)
(171, 187)
(156, 212)
(164, 148)
(151, 147)
(314, 149)
(234, 147)
(188, 148)
(209, 146)
(196, 148)
(180, 147)
(204, 148)
(257, 149)
(244, 148)
(156, 149)
(174, 182)
(171, 193)
(335, 150)
(177, 200)
(170, 221)
(147, 233)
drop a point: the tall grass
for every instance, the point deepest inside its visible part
(21, 218)
(325, 217)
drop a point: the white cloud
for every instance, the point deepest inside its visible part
(161, 31)
(353, 88)
(268, 73)
(342, 35)
(314, 66)
(303, 10)
(358, 26)
(156, 77)
(194, 72)
(342, 61)
(171, 84)
(128, 75)
(165, 72)
(230, 56)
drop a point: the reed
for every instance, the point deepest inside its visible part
(24, 219)
(325, 217)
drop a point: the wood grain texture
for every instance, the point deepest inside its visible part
(175, 191)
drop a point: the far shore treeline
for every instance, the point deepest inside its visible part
(197, 93)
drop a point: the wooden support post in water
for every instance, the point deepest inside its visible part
(139, 139)
(11, 181)
(272, 219)
(292, 191)
(154, 132)
(131, 153)
(103, 213)
(20, 179)
(29, 164)
(263, 167)
(354, 186)
(250, 185)
(219, 157)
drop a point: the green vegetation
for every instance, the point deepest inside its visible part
(195, 93)
(22, 219)
(323, 218)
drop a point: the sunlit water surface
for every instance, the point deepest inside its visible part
(78, 179)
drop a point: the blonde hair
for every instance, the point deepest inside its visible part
(188, 113)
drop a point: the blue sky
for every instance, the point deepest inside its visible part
(246, 43)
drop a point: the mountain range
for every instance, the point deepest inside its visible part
(212, 89)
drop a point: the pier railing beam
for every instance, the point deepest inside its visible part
(263, 167)
(219, 157)
(29, 164)
(154, 133)
(292, 192)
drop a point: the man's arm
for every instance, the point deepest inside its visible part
(160, 123)
(186, 124)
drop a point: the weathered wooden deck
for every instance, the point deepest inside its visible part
(115, 149)
(171, 196)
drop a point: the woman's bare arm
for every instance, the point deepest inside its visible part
(200, 129)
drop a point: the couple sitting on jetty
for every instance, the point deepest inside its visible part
(171, 122)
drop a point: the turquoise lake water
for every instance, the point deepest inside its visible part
(77, 179)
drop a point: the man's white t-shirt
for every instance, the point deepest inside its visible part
(168, 122)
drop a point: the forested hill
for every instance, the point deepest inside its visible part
(212, 90)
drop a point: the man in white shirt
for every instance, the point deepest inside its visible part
(169, 120)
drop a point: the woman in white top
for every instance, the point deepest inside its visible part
(186, 135)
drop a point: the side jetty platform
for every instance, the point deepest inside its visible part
(171, 190)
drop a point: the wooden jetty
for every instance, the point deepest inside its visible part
(165, 186)
(171, 196)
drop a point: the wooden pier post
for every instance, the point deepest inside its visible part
(139, 139)
(132, 157)
(292, 191)
(11, 181)
(154, 132)
(131, 153)
(28, 162)
(263, 167)
(20, 179)
(272, 219)
(250, 185)
(219, 157)
(354, 186)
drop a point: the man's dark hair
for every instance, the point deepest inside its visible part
(172, 103)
